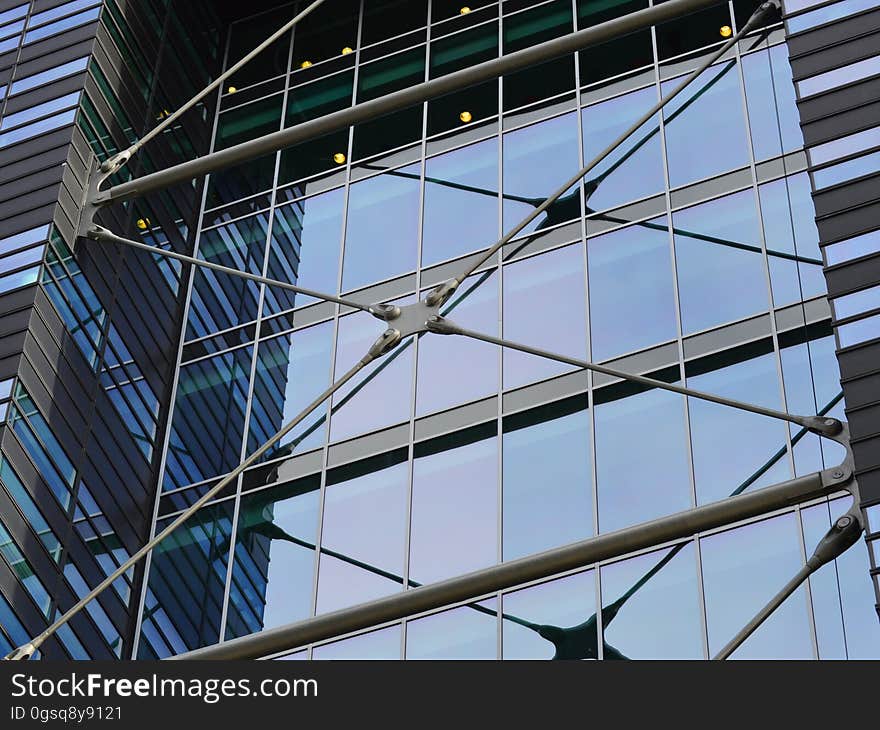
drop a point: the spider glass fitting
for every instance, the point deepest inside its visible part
(425, 317)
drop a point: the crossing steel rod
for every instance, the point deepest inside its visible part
(99, 233)
(398, 100)
(474, 585)
(385, 342)
(824, 426)
(117, 161)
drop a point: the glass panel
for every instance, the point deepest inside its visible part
(247, 35)
(389, 18)
(455, 370)
(705, 128)
(692, 31)
(790, 229)
(454, 505)
(554, 620)
(379, 396)
(775, 127)
(363, 542)
(383, 228)
(641, 456)
(845, 146)
(635, 169)
(547, 483)
(853, 248)
(187, 577)
(249, 122)
(240, 181)
(730, 444)
(291, 370)
(462, 633)
(620, 55)
(742, 570)
(208, 424)
(720, 263)
(464, 181)
(639, 256)
(538, 160)
(382, 644)
(845, 171)
(273, 569)
(651, 606)
(544, 307)
(839, 76)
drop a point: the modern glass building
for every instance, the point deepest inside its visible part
(701, 253)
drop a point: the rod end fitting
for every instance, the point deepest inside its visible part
(385, 312)
(387, 340)
(440, 325)
(21, 653)
(440, 294)
(823, 425)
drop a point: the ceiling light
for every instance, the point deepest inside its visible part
(142, 223)
(464, 11)
(231, 90)
(465, 117)
(338, 158)
(305, 64)
(726, 31)
(346, 50)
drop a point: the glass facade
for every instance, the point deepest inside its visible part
(690, 254)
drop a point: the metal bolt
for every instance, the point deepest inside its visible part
(844, 522)
(837, 473)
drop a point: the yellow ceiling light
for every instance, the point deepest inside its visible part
(347, 50)
(464, 11)
(466, 117)
(142, 223)
(231, 90)
(305, 64)
(338, 158)
(726, 31)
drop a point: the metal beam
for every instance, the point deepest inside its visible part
(401, 99)
(534, 567)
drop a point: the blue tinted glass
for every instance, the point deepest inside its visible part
(742, 570)
(730, 444)
(719, 282)
(188, 574)
(705, 128)
(207, 429)
(635, 169)
(220, 300)
(843, 171)
(291, 370)
(374, 398)
(824, 15)
(19, 278)
(641, 457)
(455, 370)
(52, 28)
(547, 480)
(857, 302)
(40, 110)
(853, 248)
(790, 229)
(313, 229)
(859, 331)
(45, 77)
(657, 618)
(839, 76)
(382, 232)
(849, 145)
(26, 504)
(454, 509)
(462, 633)
(773, 118)
(464, 181)
(32, 130)
(273, 569)
(537, 160)
(544, 307)
(382, 644)
(636, 258)
(363, 540)
(563, 610)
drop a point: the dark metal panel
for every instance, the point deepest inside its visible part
(860, 192)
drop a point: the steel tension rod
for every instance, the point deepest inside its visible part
(99, 233)
(824, 426)
(114, 163)
(386, 341)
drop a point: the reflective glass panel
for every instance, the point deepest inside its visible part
(637, 259)
(742, 570)
(273, 569)
(363, 541)
(383, 228)
(454, 505)
(547, 482)
(381, 644)
(554, 620)
(249, 122)
(464, 181)
(641, 456)
(462, 633)
(773, 118)
(720, 264)
(544, 307)
(651, 606)
(620, 55)
(705, 126)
